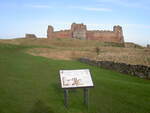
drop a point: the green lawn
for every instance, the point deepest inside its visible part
(30, 84)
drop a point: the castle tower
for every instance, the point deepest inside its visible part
(50, 31)
(78, 31)
(118, 30)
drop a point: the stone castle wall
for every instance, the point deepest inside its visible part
(79, 31)
(62, 34)
(102, 36)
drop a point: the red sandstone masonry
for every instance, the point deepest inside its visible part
(79, 31)
(62, 34)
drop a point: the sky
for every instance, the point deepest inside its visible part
(18, 17)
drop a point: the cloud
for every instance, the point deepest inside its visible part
(96, 9)
(39, 6)
(126, 3)
(91, 9)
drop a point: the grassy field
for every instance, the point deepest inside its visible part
(30, 84)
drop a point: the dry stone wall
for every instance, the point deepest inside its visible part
(135, 70)
(148, 45)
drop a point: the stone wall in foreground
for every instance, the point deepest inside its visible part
(135, 70)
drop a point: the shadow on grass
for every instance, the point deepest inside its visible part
(41, 107)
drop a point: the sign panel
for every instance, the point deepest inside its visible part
(76, 78)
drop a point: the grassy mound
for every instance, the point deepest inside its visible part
(58, 42)
(30, 84)
(68, 49)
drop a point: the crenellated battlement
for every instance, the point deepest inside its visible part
(79, 31)
(101, 31)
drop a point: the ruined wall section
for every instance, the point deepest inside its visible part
(62, 34)
(107, 36)
(58, 34)
(104, 36)
(30, 36)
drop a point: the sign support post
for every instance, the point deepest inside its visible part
(86, 96)
(66, 97)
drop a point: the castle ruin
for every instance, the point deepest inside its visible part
(79, 31)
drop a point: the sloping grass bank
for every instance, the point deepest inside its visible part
(30, 84)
